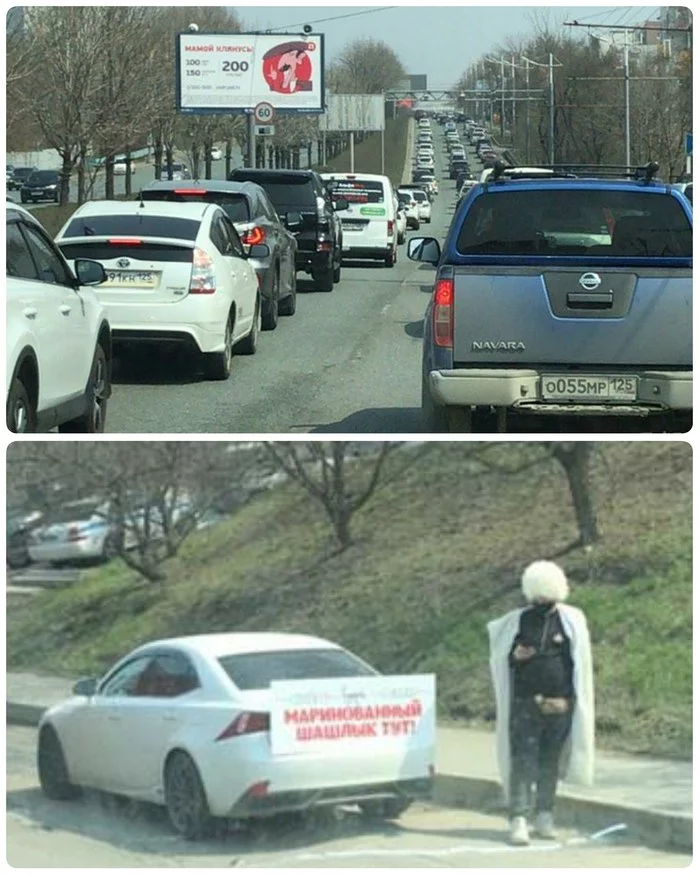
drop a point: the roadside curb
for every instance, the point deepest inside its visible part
(656, 829)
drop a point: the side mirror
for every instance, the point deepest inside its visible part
(85, 687)
(425, 249)
(341, 204)
(293, 220)
(89, 273)
(259, 250)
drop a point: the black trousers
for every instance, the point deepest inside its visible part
(536, 743)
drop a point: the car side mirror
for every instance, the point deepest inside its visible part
(259, 250)
(424, 249)
(293, 220)
(85, 687)
(88, 272)
(341, 204)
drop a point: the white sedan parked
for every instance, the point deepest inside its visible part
(185, 723)
(176, 273)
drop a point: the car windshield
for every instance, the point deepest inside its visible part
(256, 671)
(43, 176)
(235, 205)
(576, 222)
(419, 196)
(357, 191)
(137, 225)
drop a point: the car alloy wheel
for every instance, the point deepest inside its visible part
(185, 799)
(270, 308)
(93, 420)
(21, 417)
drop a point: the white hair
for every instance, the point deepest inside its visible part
(546, 581)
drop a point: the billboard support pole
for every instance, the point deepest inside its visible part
(251, 140)
(324, 147)
(352, 151)
(382, 136)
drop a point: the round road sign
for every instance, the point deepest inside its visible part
(264, 113)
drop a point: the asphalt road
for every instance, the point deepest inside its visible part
(100, 832)
(347, 361)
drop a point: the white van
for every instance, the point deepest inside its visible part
(369, 223)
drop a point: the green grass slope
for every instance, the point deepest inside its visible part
(438, 551)
(368, 153)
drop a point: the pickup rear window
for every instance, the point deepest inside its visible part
(597, 223)
(288, 192)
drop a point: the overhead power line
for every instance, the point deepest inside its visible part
(335, 17)
(630, 27)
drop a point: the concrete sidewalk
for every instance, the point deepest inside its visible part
(652, 797)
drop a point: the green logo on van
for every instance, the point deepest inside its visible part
(372, 211)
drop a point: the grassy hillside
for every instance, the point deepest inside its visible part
(368, 154)
(433, 550)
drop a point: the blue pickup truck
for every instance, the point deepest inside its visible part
(566, 294)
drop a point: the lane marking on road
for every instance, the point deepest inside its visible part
(450, 851)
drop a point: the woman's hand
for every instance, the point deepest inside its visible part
(523, 652)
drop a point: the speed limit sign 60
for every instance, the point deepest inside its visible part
(264, 113)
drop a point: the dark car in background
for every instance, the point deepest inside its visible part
(18, 176)
(302, 194)
(41, 185)
(257, 221)
(18, 528)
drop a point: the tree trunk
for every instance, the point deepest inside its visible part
(127, 181)
(109, 177)
(81, 175)
(575, 460)
(157, 157)
(229, 156)
(169, 160)
(341, 526)
(66, 167)
(208, 146)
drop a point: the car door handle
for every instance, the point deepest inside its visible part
(65, 309)
(30, 312)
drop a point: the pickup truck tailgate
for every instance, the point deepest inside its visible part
(612, 316)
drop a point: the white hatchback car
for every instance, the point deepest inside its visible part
(423, 203)
(185, 723)
(58, 341)
(176, 273)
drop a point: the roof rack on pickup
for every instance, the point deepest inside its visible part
(646, 172)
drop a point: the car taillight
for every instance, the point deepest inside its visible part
(245, 724)
(443, 312)
(414, 203)
(74, 534)
(254, 237)
(390, 228)
(203, 281)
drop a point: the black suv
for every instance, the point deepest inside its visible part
(19, 176)
(319, 237)
(256, 220)
(42, 185)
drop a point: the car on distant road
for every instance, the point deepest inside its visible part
(177, 274)
(41, 185)
(120, 167)
(186, 723)
(567, 295)
(319, 237)
(19, 174)
(410, 206)
(58, 342)
(178, 172)
(255, 218)
(19, 524)
(401, 220)
(216, 154)
(422, 203)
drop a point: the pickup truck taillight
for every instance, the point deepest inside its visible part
(443, 312)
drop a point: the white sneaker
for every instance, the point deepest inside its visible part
(544, 825)
(519, 834)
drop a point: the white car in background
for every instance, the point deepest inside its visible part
(401, 220)
(120, 167)
(410, 207)
(58, 340)
(176, 273)
(425, 162)
(185, 723)
(216, 154)
(423, 203)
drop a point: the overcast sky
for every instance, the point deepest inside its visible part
(441, 41)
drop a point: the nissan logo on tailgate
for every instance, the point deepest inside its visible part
(589, 281)
(123, 262)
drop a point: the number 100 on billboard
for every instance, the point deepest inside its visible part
(229, 72)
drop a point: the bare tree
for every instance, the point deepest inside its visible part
(321, 469)
(365, 66)
(575, 457)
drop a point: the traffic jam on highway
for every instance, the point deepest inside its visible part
(561, 300)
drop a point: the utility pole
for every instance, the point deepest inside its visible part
(512, 112)
(503, 99)
(251, 139)
(551, 108)
(527, 111)
(627, 100)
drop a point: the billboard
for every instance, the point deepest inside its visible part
(228, 72)
(370, 712)
(353, 112)
(419, 81)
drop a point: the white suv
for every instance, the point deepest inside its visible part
(58, 338)
(177, 273)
